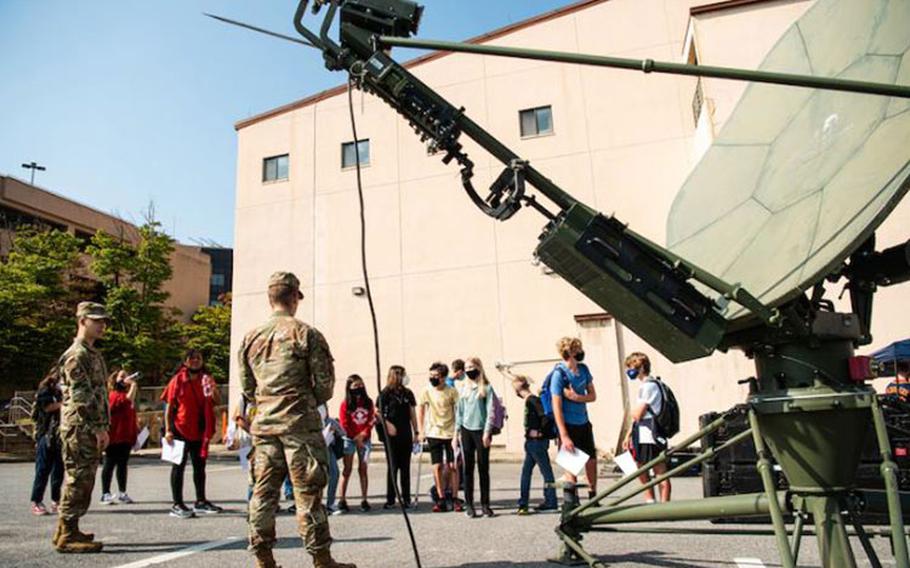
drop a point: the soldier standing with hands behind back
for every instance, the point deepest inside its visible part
(286, 370)
(84, 424)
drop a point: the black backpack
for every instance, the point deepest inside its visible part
(668, 419)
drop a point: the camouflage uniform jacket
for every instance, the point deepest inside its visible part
(85, 400)
(287, 370)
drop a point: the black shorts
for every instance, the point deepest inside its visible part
(647, 452)
(440, 447)
(582, 436)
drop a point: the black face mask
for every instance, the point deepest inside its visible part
(434, 381)
(472, 374)
(580, 356)
(359, 392)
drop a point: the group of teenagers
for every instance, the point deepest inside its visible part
(454, 419)
(189, 398)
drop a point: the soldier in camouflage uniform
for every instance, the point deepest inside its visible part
(84, 424)
(286, 370)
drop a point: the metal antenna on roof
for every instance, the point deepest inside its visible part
(258, 29)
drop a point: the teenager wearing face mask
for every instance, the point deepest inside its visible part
(399, 421)
(571, 389)
(439, 429)
(643, 439)
(474, 432)
(357, 417)
(124, 429)
(191, 396)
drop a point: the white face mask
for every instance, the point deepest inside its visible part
(406, 380)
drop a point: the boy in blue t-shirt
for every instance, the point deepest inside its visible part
(572, 388)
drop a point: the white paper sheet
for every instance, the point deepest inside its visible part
(573, 462)
(141, 438)
(172, 452)
(244, 453)
(626, 463)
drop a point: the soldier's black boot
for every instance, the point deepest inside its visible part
(323, 559)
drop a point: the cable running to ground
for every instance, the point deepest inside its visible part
(389, 458)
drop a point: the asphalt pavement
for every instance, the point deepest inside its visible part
(143, 534)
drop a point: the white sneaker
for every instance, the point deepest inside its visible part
(107, 499)
(124, 498)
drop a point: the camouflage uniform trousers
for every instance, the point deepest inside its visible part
(303, 456)
(80, 463)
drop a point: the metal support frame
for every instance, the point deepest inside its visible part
(830, 526)
(889, 473)
(777, 517)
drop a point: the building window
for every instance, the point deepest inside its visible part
(217, 280)
(275, 168)
(536, 121)
(349, 153)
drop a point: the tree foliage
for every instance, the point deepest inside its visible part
(144, 334)
(210, 332)
(40, 284)
(45, 276)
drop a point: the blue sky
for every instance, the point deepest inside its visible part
(127, 102)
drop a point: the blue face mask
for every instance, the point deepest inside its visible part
(632, 374)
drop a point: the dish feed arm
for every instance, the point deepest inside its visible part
(639, 283)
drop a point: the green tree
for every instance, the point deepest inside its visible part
(143, 335)
(40, 284)
(210, 332)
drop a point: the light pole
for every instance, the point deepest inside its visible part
(33, 166)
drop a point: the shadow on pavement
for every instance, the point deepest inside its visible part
(646, 558)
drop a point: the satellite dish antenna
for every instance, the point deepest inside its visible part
(799, 178)
(796, 182)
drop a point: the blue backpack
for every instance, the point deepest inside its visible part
(549, 429)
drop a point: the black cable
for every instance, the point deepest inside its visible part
(389, 458)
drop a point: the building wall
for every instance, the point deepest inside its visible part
(189, 286)
(450, 282)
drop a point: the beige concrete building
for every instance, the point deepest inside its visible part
(449, 281)
(24, 203)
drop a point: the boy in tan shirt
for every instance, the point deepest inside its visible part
(438, 429)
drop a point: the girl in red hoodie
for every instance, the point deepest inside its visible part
(124, 429)
(191, 396)
(357, 417)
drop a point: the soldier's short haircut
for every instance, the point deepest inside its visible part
(441, 368)
(282, 295)
(457, 365)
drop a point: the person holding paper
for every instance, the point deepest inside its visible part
(123, 432)
(571, 389)
(190, 418)
(643, 439)
(84, 423)
(287, 370)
